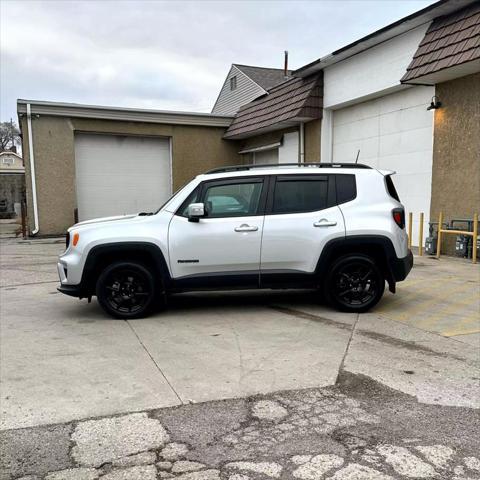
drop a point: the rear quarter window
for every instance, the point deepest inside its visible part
(346, 188)
(392, 191)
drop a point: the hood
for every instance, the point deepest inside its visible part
(104, 220)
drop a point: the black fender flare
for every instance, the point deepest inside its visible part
(378, 246)
(141, 249)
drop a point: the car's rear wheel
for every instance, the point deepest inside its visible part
(354, 284)
(126, 290)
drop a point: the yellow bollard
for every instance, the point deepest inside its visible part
(420, 235)
(475, 235)
(410, 216)
(439, 239)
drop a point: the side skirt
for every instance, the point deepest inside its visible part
(247, 280)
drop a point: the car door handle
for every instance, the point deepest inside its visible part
(246, 228)
(324, 223)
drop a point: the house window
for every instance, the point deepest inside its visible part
(233, 83)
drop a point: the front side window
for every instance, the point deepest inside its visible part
(232, 199)
(192, 198)
(300, 195)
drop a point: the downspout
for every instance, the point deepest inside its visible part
(32, 171)
(302, 142)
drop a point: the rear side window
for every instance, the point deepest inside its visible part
(392, 191)
(294, 195)
(346, 188)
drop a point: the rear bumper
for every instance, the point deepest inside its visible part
(401, 267)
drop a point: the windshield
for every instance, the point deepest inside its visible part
(172, 197)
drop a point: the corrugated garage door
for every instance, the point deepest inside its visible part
(394, 132)
(266, 157)
(118, 175)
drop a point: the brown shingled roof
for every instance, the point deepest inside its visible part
(450, 41)
(265, 77)
(296, 99)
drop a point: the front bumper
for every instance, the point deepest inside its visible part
(70, 290)
(401, 267)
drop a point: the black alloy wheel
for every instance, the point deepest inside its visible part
(354, 284)
(126, 290)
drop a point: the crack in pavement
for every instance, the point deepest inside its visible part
(154, 362)
(397, 342)
(30, 283)
(342, 363)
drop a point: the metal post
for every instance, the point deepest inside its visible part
(24, 219)
(420, 235)
(410, 217)
(439, 239)
(475, 234)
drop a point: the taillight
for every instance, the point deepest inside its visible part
(399, 217)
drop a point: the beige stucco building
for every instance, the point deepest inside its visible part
(193, 143)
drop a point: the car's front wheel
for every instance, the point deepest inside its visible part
(126, 290)
(354, 283)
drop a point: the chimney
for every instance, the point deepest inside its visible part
(285, 67)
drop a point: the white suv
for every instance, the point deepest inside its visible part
(338, 228)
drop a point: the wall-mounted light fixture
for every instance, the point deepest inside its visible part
(435, 103)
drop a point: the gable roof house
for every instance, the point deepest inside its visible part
(245, 83)
(272, 110)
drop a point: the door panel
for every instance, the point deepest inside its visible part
(292, 241)
(301, 217)
(228, 238)
(212, 245)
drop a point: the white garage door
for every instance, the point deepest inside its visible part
(118, 175)
(266, 157)
(394, 132)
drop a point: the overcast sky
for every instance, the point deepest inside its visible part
(166, 55)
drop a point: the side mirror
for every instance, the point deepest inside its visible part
(195, 211)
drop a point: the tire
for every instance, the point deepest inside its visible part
(126, 290)
(354, 284)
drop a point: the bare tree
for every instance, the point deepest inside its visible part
(9, 135)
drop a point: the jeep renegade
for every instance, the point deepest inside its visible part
(337, 228)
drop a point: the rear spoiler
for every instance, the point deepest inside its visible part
(386, 173)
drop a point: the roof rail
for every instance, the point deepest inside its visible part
(239, 168)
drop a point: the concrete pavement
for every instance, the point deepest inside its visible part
(406, 394)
